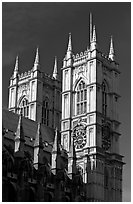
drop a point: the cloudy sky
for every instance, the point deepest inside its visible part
(28, 25)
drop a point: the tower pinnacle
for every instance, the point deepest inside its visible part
(16, 64)
(93, 44)
(111, 51)
(37, 57)
(68, 56)
(69, 43)
(16, 67)
(94, 34)
(55, 72)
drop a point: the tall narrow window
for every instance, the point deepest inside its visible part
(66, 80)
(104, 99)
(24, 108)
(81, 98)
(66, 106)
(12, 98)
(45, 112)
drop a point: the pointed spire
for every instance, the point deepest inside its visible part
(38, 139)
(90, 27)
(16, 64)
(55, 72)
(68, 57)
(16, 67)
(19, 138)
(94, 34)
(69, 43)
(111, 51)
(93, 45)
(37, 57)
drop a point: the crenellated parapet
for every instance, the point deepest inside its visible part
(80, 57)
(24, 75)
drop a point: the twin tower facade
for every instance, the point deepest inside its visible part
(84, 107)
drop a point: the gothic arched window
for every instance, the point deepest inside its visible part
(45, 112)
(81, 99)
(24, 108)
(104, 99)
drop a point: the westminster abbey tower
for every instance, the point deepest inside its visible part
(88, 121)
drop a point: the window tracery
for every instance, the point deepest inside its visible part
(45, 112)
(24, 108)
(81, 99)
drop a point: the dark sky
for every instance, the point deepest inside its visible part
(28, 25)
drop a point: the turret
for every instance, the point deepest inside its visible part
(55, 72)
(38, 148)
(19, 138)
(111, 51)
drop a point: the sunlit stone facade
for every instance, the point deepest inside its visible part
(89, 99)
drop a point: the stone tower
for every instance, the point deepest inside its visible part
(35, 94)
(90, 123)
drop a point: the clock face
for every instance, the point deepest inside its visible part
(106, 137)
(79, 136)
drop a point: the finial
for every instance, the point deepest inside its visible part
(111, 51)
(37, 56)
(55, 72)
(70, 43)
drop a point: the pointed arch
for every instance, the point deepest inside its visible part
(80, 96)
(23, 106)
(78, 81)
(20, 100)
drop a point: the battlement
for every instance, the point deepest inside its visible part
(24, 75)
(80, 58)
(104, 58)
